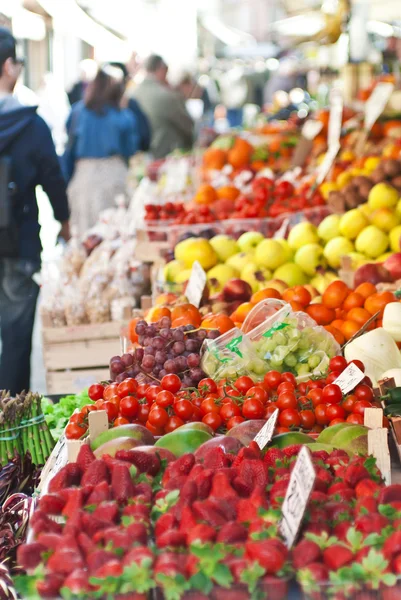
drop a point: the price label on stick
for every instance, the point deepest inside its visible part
(349, 378)
(376, 103)
(296, 499)
(327, 163)
(196, 284)
(263, 437)
(335, 120)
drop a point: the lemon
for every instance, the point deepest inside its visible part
(372, 163)
(383, 195)
(372, 242)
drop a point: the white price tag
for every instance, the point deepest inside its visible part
(335, 120)
(263, 437)
(296, 499)
(57, 459)
(376, 103)
(196, 284)
(327, 163)
(349, 378)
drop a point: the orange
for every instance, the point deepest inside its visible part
(206, 194)
(349, 329)
(185, 314)
(166, 298)
(265, 294)
(336, 333)
(242, 312)
(296, 306)
(337, 323)
(297, 294)
(335, 294)
(366, 289)
(215, 158)
(354, 300)
(359, 315)
(321, 314)
(376, 302)
(156, 313)
(220, 322)
(133, 336)
(228, 192)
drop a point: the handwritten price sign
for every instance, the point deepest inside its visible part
(263, 437)
(196, 284)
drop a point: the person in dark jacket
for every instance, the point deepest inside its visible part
(26, 145)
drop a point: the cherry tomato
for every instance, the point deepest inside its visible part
(355, 419)
(128, 387)
(165, 398)
(95, 391)
(213, 420)
(332, 377)
(315, 396)
(207, 386)
(303, 388)
(77, 418)
(348, 403)
(110, 390)
(359, 364)
(158, 416)
(141, 391)
(87, 409)
(258, 393)
(273, 379)
(184, 409)
(120, 421)
(336, 422)
(289, 378)
(173, 423)
(115, 400)
(111, 410)
(335, 411)
(152, 392)
(234, 421)
(279, 430)
(338, 363)
(359, 407)
(74, 431)
(229, 410)
(129, 407)
(209, 404)
(243, 384)
(253, 409)
(154, 430)
(171, 383)
(270, 409)
(332, 394)
(287, 400)
(363, 392)
(143, 412)
(196, 415)
(308, 419)
(314, 385)
(321, 414)
(99, 404)
(304, 403)
(286, 386)
(289, 418)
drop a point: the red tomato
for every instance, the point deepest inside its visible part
(141, 391)
(332, 394)
(321, 414)
(74, 431)
(209, 404)
(99, 404)
(315, 396)
(363, 392)
(287, 400)
(77, 418)
(95, 391)
(286, 386)
(229, 410)
(213, 420)
(111, 410)
(303, 388)
(243, 384)
(87, 409)
(120, 421)
(165, 398)
(308, 419)
(115, 400)
(335, 411)
(110, 390)
(152, 392)
(270, 409)
(359, 364)
(143, 412)
(207, 386)
(234, 421)
(128, 387)
(348, 403)
(173, 423)
(337, 363)
(289, 418)
(359, 407)
(156, 431)
(184, 409)
(171, 383)
(196, 414)
(253, 409)
(332, 377)
(158, 416)
(355, 419)
(258, 393)
(289, 378)
(129, 407)
(336, 422)
(273, 379)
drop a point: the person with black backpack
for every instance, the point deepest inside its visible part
(27, 159)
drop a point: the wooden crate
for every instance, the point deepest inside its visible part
(78, 356)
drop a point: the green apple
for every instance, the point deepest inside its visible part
(383, 195)
(395, 239)
(172, 270)
(352, 223)
(270, 254)
(335, 249)
(257, 277)
(224, 246)
(289, 254)
(372, 242)
(291, 274)
(329, 227)
(219, 275)
(249, 240)
(309, 258)
(240, 260)
(302, 234)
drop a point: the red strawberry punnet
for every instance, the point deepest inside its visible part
(144, 461)
(85, 457)
(96, 472)
(121, 484)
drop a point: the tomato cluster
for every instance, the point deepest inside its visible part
(170, 210)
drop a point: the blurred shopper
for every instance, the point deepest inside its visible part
(172, 127)
(88, 70)
(27, 159)
(130, 103)
(234, 92)
(102, 137)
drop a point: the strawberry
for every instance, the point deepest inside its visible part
(74, 502)
(165, 522)
(267, 554)
(138, 533)
(139, 511)
(221, 487)
(112, 568)
(242, 488)
(292, 450)
(337, 510)
(362, 553)
(205, 511)
(341, 491)
(365, 504)
(367, 487)
(189, 492)
(340, 530)
(372, 523)
(85, 543)
(227, 507)
(337, 556)
(175, 483)
(112, 462)
(97, 559)
(254, 472)
(121, 484)
(304, 553)
(40, 523)
(144, 461)
(172, 538)
(240, 593)
(392, 545)
(50, 540)
(355, 473)
(313, 574)
(248, 510)
(178, 468)
(96, 472)
(248, 453)
(396, 564)
(74, 524)
(65, 559)
(67, 477)
(317, 528)
(202, 533)
(137, 555)
(170, 564)
(107, 511)
(91, 524)
(30, 555)
(77, 582)
(50, 586)
(204, 483)
(277, 492)
(320, 455)
(215, 458)
(100, 493)
(187, 521)
(52, 504)
(85, 457)
(272, 456)
(323, 480)
(119, 538)
(143, 490)
(390, 494)
(232, 533)
(318, 497)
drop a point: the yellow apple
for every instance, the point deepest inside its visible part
(395, 239)
(383, 195)
(183, 276)
(309, 258)
(257, 277)
(172, 270)
(398, 208)
(224, 246)
(385, 219)
(372, 242)
(291, 274)
(301, 234)
(277, 284)
(288, 252)
(352, 223)
(219, 275)
(249, 240)
(335, 249)
(194, 249)
(270, 254)
(240, 260)
(329, 227)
